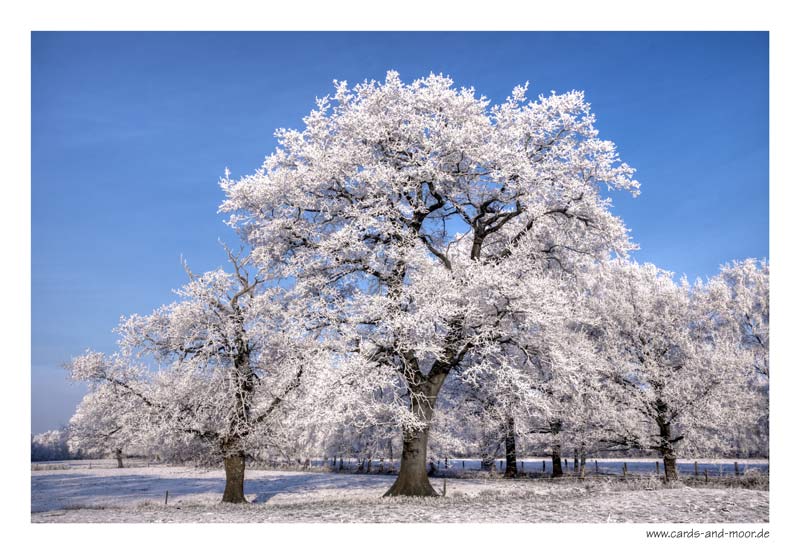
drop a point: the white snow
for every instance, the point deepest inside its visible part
(108, 494)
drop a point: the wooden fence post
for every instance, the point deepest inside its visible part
(657, 468)
(463, 464)
(736, 469)
(544, 466)
(166, 498)
(705, 474)
(624, 469)
(695, 469)
(596, 467)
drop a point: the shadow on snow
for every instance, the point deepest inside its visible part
(60, 491)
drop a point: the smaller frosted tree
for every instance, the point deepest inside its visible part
(575, 394)
(477, 418)
(367, 444)
(566, 409)
(740, 296)
(673, 368)
(50, 445)
(107, 423)
(218, 365)
(740, 293)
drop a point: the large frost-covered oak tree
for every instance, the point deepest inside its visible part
(416, 219)
(217, 366)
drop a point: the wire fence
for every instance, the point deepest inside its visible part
(455, 466)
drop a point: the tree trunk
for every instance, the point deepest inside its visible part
(234, 478)
(582, 457)
(511, 450)
(556, 458)
(555, 454)
(666, 441)
(670, 467)
(118, 456)
(412, 479)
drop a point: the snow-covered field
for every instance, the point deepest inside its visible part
(107, 494)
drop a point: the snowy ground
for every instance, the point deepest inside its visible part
(107, 494)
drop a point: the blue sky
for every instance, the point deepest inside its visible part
(131, 132)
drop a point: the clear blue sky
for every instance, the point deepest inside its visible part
(131, 131)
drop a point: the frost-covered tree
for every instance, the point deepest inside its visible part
(416, 218)
(217, 365)
(672, 368)
(50, 445)
(367, 444)
(478, 417)
(570, 409)
(107, 423)
(741, 294)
